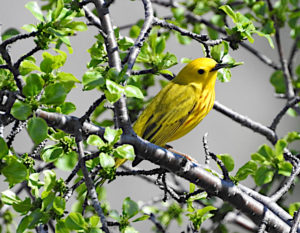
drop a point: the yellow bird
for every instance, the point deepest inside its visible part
(180, 105)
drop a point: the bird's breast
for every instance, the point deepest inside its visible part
(201, 109)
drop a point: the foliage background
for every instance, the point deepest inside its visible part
(249, 92)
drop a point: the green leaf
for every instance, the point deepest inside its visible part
(21, 110)
(115, 91)
(51, 62)
(75, 221)
(95, 140)
(92, 79)
(161, 45)
(49, 179)
(51, 153)
(248, 169)
(184, 40)
(167, 61)
(292, 136)
(227, 9)
(67, 108)
(23, 206)
(29, 27)
(133, 91)
(8, 197)
(258, 157)
(67, 161)
(3, 148)
(277, 80)
(263, 175)
(227, 161)
(129, 229)
(23, 225)
(58, 9)
(125, 43)
(216, 52)
(59, 205)
(125, 152)
(54, 94)
(293, 208)
(34, 8)
(279, 146)
(34, 183)
(266, 152)
(77, 26)
(106, 160)
(46, 65)
(142, 218)
(37, 129)
(129, 208)
(36, 217)
(94, 220)
(34, 85)
(67, 77)
(115, 215)
(60, 227)
(9, 33)
(285, 168)
(134, 31)
(28, 66)
(112, 135)
(15, 171)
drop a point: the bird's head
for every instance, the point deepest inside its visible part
(201, 70)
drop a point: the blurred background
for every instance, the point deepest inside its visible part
(249, 93)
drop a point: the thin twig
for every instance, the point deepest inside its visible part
(205, 146)
(262, 226)
(292, 56)
(268, 61)
(30, 53)
(141, 172)
(200, 38)
(18, 37)
(286, 187)
(284, 66)
(92, 109)
(152, 71)
(247, 122)
(296, 221)
(279, 116)
(89, 183)
(145, 30)
(157, 224)
(93, 20)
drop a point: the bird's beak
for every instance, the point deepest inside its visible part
(220, 66)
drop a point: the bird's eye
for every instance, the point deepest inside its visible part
(201, 71)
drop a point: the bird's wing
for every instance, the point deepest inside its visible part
(165, 115)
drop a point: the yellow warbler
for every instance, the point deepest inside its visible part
(180, 105)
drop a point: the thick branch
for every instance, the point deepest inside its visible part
(239, 196)
(114, 60)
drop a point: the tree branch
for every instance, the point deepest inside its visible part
(89, 183)
(114, 60)
(279, 116)
(239, 196)
(245, 121)
(145, 30)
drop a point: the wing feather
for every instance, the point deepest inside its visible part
(161, 121)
